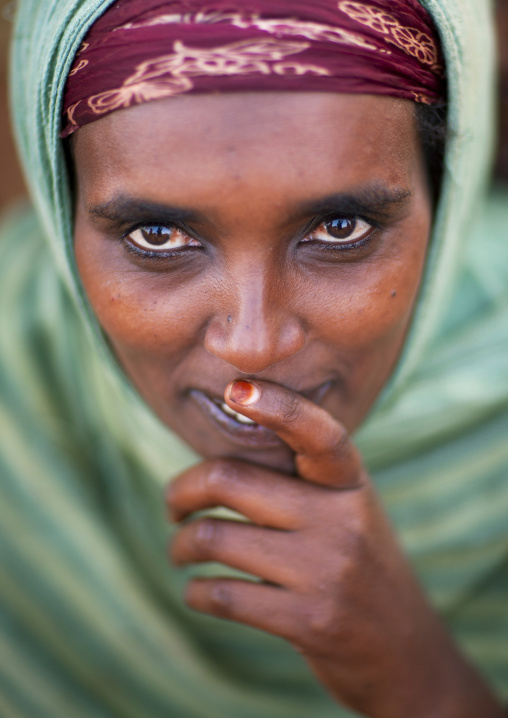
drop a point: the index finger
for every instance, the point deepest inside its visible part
(324, 451)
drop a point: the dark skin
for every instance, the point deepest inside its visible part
(245, 264)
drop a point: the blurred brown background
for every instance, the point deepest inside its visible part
(11, 183)
(502, 34)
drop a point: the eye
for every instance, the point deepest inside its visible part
(161, 238)
(340, 230)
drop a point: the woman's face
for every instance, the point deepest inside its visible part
(279, 236)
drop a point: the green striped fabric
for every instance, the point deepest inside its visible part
(92, 624)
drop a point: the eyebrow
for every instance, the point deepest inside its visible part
(375, 202)
(123, 209)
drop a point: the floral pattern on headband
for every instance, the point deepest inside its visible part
(170, 75)
(380, 47)
(414, 42)
(316, 32)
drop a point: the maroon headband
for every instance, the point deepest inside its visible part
(143, 50)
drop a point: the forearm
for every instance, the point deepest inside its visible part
(431, 680)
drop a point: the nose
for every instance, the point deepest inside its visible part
(254, 327)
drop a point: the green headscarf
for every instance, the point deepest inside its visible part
(92, 623)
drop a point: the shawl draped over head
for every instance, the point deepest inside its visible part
(92, 623)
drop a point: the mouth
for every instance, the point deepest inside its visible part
(238, 428)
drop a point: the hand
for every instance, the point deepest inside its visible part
(334, 581)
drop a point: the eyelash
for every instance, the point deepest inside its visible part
(146, 255)
(346, 248)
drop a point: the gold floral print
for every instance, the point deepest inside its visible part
(80, 66)
(202, 17)
(422, 98)
(238, 58)
(418, 44)
(297, 68)
(135, 93)
(409, 39)
(70, 116)
(317, 32)
(170, 75)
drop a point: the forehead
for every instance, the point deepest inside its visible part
(301, 144)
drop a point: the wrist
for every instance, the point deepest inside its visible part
(431, 679)
(440, 683)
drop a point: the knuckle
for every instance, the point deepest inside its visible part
(206, 537)
(223, 471)
(344, 454)
(213, 596)
(221, 599)
(321, 622)
(339, 443)
(220, 474)
(289, 408)
(357, 528)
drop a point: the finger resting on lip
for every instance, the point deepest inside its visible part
(304, 426)
(268, 608)
(261, 495)
(264, 553)
(325, 452)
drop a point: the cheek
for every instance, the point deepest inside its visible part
(362, 321)
(141, 312)
(371, 304)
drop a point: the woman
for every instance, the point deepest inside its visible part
(256, 260)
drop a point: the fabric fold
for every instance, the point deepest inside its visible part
(92, 618)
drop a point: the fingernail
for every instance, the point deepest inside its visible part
(244, 393)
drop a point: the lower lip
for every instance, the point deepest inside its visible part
(253, 435)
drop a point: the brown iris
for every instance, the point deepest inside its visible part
(340, 228)
(156, 235)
